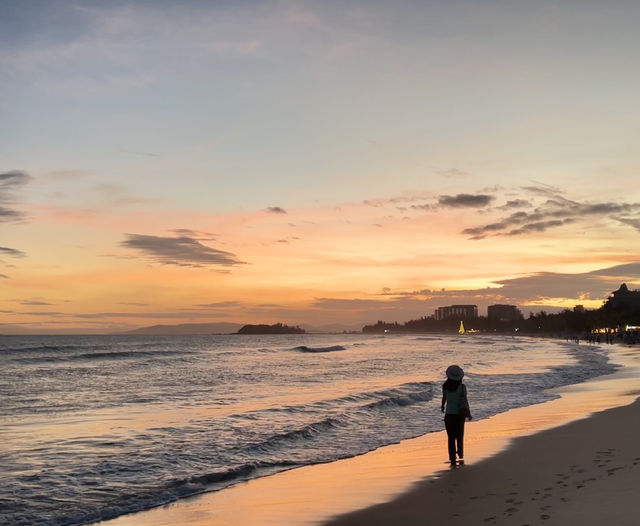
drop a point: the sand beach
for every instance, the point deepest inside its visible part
(573, 460)
(582, 473)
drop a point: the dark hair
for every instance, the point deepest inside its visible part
(451, 385)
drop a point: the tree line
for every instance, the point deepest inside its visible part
(622, 308)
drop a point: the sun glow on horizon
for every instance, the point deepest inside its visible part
(217, 165)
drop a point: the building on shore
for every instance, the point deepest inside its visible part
(461, 312)
(504, 313)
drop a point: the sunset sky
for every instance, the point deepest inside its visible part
(313, 162)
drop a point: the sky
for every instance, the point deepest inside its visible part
(316, 163)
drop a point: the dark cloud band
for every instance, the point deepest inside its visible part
(553, 213)
(181, 250)
(12, 252)
(465, 200)
(276, 210)
(9, 182)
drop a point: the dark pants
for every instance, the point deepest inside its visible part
(454, 424)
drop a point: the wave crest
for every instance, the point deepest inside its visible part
(332, 348)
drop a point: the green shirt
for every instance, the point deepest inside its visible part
(453, 399)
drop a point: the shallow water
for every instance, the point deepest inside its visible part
(94, 427)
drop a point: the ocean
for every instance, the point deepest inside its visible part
(93, 427)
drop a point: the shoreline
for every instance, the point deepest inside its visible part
(583, 472)
(340, 490)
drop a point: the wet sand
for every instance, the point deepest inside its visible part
(525, 466)
(585, 473)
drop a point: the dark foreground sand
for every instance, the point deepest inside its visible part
(583, 473)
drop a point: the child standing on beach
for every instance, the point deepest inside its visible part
(454, 399)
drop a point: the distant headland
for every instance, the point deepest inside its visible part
(225, 328)
(188, 328)
(276, 328)
(219, 328)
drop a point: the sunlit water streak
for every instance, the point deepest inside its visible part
(94, 427)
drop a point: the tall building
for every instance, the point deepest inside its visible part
(461, 312)
(504, 313)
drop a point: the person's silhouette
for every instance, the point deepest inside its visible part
(455, 406)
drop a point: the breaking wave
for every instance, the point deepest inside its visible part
(332, 348)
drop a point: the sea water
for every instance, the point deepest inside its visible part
(93, 427)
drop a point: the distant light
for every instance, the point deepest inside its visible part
(603, 330)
